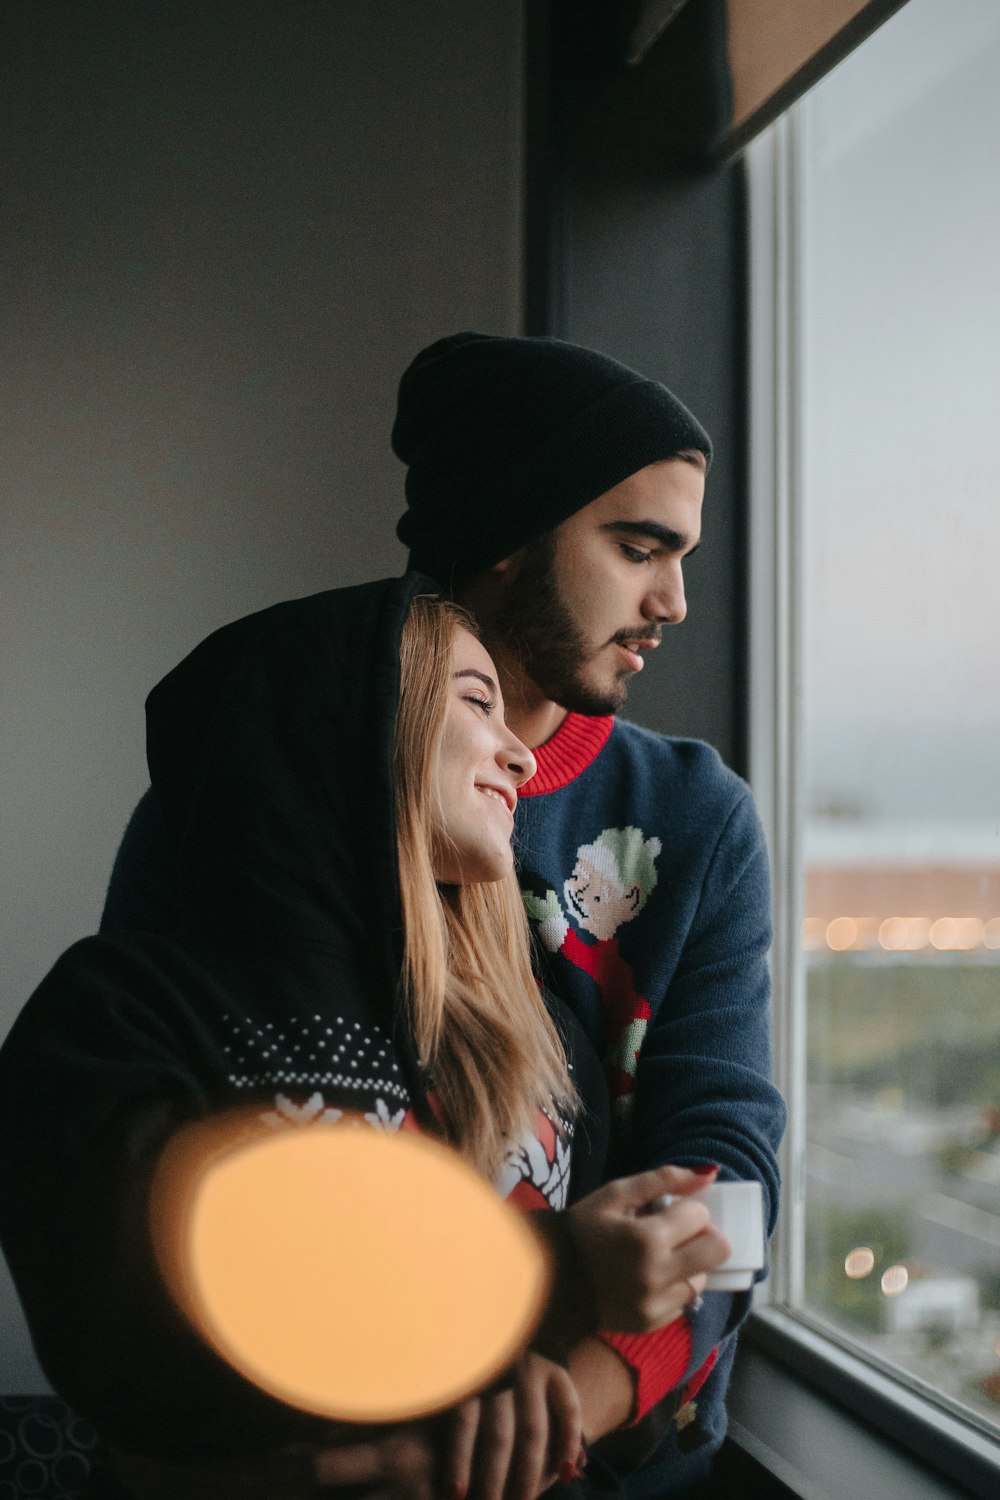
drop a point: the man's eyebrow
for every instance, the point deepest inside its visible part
(484, 677)
(673, 541)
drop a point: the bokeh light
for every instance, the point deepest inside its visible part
(813, 933)
(918, 933)
(900, 934)
(357, 1274)
(859, 1263)
(970, 932)
(944, 933)
(904, 934)
(892, 934)
(841, 934)
(895, 1280)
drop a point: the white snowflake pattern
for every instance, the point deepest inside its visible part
(383, 1118)
(313, 1111)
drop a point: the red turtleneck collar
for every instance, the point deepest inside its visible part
(578, 741)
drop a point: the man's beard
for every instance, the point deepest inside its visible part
(538, 631)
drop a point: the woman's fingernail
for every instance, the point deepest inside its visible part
(568, 1473)
(581, 1462)
(456, 1491)
(704, 1168)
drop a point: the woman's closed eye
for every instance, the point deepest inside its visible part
(486, 704)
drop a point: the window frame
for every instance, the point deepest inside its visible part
(803, 1345)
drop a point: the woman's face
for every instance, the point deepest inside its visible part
(479, 769)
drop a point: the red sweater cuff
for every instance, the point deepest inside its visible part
(659, 1360)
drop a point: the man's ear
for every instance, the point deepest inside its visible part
(480, 592)
(509, 567)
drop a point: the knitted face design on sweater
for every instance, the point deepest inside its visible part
(611, 880)
(610, 884)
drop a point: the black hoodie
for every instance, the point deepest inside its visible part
(274, 982)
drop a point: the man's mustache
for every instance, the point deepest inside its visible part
(651, 633)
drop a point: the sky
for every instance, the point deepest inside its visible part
(901, 340)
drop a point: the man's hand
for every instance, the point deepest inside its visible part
(645, 1267)
(516, 1443)
(397, 1466)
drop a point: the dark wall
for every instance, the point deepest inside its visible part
(225, 228)
(639, 250)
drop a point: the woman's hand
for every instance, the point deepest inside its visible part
(515, 1443)
(645, 1267)
(392, 1466)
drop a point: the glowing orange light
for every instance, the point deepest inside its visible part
(841, 934)
(960, 933)
(895, 1280)
(859, 1263)
(904, 934)
(867, 932)
(892, 934)
(970, 932)
(918, 932)
(813, 933)
(944, 933)
(358, 1274)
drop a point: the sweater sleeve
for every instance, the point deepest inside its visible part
(703, 1091)
(658, 1361)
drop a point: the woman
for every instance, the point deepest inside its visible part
(345, 933)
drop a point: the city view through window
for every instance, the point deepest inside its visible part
(901, 677)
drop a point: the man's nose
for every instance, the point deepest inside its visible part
(667, 600)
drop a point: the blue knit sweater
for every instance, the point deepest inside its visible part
(644, 867)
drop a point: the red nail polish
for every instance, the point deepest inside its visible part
(703, 1169)
(567, 1473)
(456, 1492)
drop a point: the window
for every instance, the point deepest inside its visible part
(876, 693)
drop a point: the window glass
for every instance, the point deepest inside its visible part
(900, 617)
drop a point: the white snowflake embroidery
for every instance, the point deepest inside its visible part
(383, 1119)
(287, 1112)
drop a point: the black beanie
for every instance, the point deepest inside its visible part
(506, 437)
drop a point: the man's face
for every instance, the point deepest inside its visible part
(587, 598)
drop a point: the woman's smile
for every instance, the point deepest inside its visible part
(508, 799)
(479, 760)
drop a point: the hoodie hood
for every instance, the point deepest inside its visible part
(270, 753)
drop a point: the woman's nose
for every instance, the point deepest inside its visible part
(517, 760)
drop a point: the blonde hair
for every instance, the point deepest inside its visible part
(479, 1022)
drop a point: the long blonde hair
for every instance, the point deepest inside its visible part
(479, 1022)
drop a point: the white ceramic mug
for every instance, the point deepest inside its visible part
(737, 1209)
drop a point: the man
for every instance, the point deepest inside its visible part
(557, 494)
